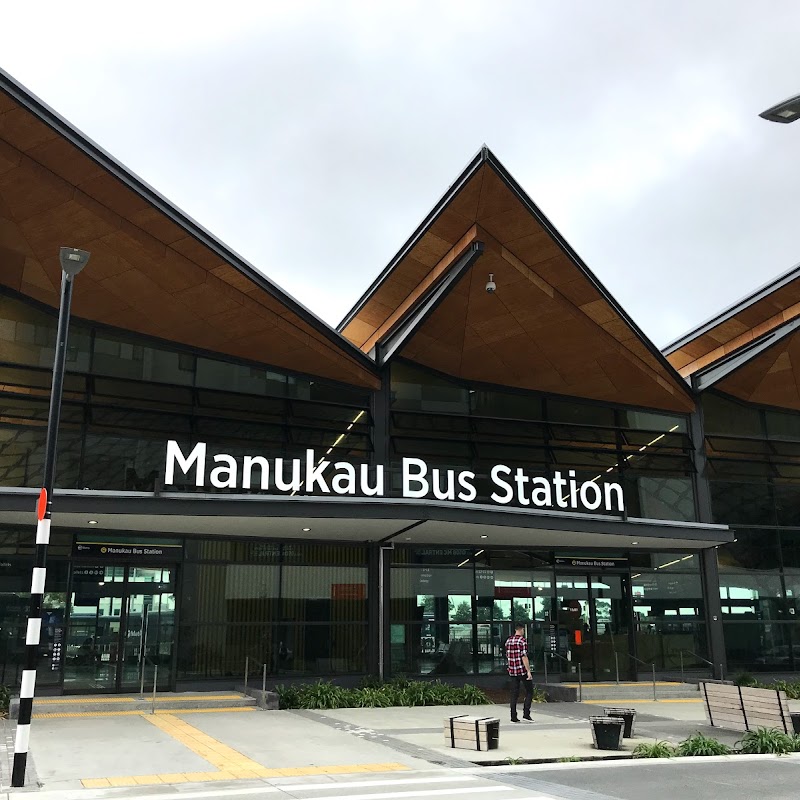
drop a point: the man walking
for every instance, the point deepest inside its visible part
(519, 669)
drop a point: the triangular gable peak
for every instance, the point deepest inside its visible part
(765, 310)
(152, 270)
(766, 372)
(549, 326)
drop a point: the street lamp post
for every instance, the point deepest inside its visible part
(72, 262)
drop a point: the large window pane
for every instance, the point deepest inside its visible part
(752, 596)
(129, 358)
(28, 336)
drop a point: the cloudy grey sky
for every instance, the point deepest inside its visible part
(312, 137)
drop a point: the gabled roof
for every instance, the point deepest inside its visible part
(153, 270)
(764, 310)
(550, 326)
(766, 371)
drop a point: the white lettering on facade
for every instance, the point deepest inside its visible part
(313, 475)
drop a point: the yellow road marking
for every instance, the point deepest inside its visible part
(230, 763)
(640, 683)
(615, 701)
(167, 699)
(159, 711)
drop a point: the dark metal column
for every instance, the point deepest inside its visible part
(709, 570)
(374, 621)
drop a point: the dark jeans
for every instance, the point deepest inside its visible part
(516, 681)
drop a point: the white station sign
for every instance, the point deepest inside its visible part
(316, 475)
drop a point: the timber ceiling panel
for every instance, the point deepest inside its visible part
(772, 378)
(149, 272)
(737, 328)
(549, 326)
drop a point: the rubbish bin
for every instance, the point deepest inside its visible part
(607, 732)
(795, 715)
(627, 714)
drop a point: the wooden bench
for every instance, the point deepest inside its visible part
(472, 733)
(741, 708)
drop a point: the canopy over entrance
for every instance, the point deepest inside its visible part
(364, 520)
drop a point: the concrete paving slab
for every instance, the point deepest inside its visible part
(283, 739)
(571, 740)
(68, 750)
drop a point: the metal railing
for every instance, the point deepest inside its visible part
(263, 665)
(546, 653)
(705, 661)
(143, 662)
(651, 664)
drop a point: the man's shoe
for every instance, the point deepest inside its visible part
(527, 719)
(514, 720)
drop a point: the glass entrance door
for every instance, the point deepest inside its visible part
(594, 615)
(121, 625)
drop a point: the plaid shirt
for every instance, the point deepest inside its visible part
(516, 648)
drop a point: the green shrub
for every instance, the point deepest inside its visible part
(745, 679)
(766, 740)
(400, 692)
(795, 737)
(792, 688)
(368, 697)
(568, 759)
(470, 696)
(539, 695)
(288, 696)
(654, 750)
(5, 699)
(322, 695)
(699, 745)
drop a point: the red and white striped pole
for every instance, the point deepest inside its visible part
(72, 262)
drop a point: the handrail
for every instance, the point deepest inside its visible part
(566, 660)
(651, 663)
(699, 658)
(263, 664)
(143, 663)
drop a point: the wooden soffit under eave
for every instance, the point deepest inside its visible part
(547, 308)
(771, 378)
(147, 273)
(747, 325)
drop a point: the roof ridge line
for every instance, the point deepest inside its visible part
(55, 121)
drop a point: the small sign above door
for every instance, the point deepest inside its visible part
(580, 562)
(127, 551)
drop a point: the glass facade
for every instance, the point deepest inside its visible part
(125, 396)
(453, 608)
(754, 469)
(454, 425)
(309, 609)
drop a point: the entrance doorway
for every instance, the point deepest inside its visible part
(594, 612)
(121, 625)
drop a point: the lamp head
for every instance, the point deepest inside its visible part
(73, 260)
(787, 111)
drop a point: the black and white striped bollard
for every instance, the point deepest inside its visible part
(72, 262)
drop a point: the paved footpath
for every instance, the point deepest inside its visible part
(227, 753)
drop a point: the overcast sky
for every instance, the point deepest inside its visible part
(312, 138)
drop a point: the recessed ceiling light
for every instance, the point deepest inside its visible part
(408, 538)
(306, 530)
(93, 522)
(634, 542)
(484, 536)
